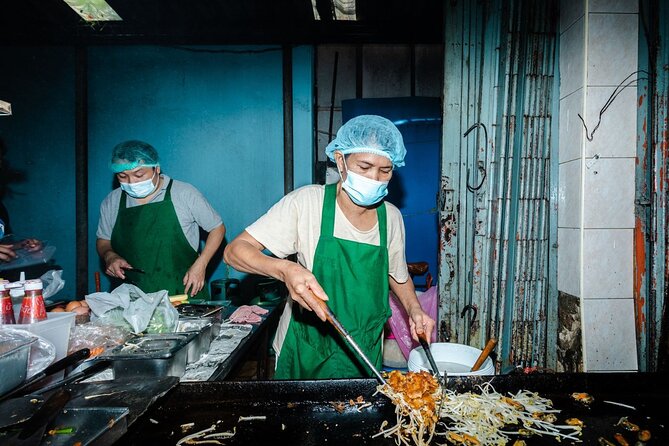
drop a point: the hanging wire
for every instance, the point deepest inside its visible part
(616, 92)
(482, 168)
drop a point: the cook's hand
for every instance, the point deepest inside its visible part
(116, 265)
(304, 288)
(420, 323)
(32, 244)
(194, 278)
(7, 253)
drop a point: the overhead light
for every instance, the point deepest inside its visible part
(344, 9)
(94, 10)
(5, 108)
(335, 9)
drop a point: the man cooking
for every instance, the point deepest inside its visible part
(148, 233)
(350, 251)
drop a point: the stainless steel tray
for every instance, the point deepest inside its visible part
(155, 355)
(14, 356)
(97, 426)
(203, 329)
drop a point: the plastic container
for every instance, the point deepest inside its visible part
(456, 359)
(56, 329)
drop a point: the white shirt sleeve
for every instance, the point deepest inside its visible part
(397, 264)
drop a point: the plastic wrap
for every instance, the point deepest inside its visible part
(399, 321)
(97, 337)
(128, 306)
(42, 351)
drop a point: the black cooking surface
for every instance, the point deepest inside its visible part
(304, 413)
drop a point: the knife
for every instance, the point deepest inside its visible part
(95, 367)
(57, 366)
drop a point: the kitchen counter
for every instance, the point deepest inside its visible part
(234, 344)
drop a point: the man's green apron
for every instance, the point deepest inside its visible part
(355, 278)
(150, 238)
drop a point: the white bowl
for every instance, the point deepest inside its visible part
(455, 359)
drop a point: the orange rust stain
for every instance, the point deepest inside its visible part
(640, 100)
(661, 182)
(639, 271)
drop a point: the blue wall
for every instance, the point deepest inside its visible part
(215, 115)
(39, 139)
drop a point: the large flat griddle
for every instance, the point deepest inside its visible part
(302, 413)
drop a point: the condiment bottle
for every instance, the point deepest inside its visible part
(32, 308)
(6, 307)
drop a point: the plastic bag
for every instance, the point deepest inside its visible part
(42, 351)
(52, 282)
(26, 255)
(127, 305)
(399, 321)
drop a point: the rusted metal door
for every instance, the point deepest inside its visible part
(650, 235)
(499, 183)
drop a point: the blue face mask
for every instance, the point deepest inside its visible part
(362, 190)
(141, 189)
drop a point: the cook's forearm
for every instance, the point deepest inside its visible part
(105, 250)
(213, 242)
(245, 255)
(406, 293)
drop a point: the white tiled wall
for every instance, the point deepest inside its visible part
(609, 335)
(598, 49)
(614, 137)
(569, 260)
(608, 201)
(569, 198)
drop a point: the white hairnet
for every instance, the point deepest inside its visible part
(369, 134)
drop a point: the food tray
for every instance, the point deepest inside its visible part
(203, 329)
(156, 355)
(201, 310)
(92, 426)
(14, 355)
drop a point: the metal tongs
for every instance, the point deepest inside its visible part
(347, 336)
(422, 338)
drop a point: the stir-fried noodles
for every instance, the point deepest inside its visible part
(485, 418)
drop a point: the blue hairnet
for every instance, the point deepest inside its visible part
(369, 134)
(129, 155)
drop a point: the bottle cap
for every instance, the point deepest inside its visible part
(31, 285)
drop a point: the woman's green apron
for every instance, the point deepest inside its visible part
(150, 237)
(355, 277)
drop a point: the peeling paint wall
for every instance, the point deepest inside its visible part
(498, 185)
(569, 352)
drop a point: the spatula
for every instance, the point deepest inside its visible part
(345, 334)
(422, 338)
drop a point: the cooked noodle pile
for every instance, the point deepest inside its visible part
(471, 419)
(415, 396)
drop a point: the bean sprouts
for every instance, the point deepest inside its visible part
(489, 418)
(485, 418)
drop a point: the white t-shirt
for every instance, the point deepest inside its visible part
(293, 226)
